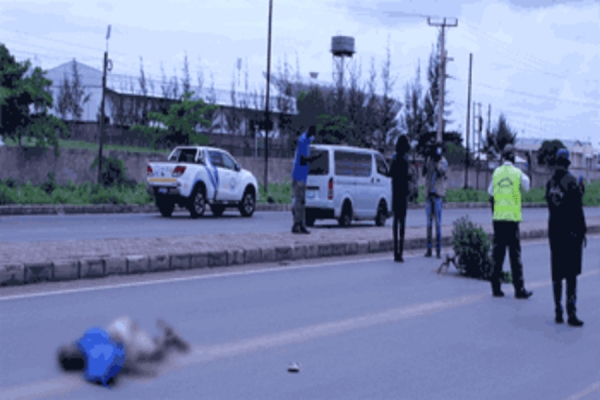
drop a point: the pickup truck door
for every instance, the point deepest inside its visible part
(216, 173)
(231, 178)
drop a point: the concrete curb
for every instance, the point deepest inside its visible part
(95, 267)
(51, 209)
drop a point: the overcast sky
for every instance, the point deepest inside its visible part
(537, 61)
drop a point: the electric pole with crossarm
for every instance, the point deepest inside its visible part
(443, 59)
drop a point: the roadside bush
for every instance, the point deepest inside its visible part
(113, 171)
(472, 247)
(50, 184)
(7, 195)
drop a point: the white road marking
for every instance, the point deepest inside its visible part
(586, 392)
(204, 354)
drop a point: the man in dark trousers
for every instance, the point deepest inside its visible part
(434, 171)
(400, 178)
(505, 190)
(566, 232)
(299, 176)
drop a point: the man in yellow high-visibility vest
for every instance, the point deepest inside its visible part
(505, 189)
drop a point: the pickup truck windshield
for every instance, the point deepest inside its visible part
(183, 155)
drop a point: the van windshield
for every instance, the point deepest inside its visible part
(320, 166)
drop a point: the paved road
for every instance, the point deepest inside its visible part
(67, 227)
(360, 329)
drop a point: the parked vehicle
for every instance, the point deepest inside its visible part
(194, 176)
(348, 183)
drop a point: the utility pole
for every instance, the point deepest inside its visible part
(267, 121)
(468, 120)
(101, 135)
(443, 55)
(477, 128)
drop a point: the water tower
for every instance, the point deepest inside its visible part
(342, 49)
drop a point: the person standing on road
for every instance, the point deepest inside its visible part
(434, 171)
(299, 176)
(505, 190)
(400, 192)
(566, 233)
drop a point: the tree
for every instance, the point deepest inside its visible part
(500, 136)
(388, 105)
(19, 94)
(180, 125)
(185, 80)
(79, 98)
(547, 152)
(413, 121)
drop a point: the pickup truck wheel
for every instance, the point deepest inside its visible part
(217, 210)
(197, 202)
(165, 206)
(248, 204)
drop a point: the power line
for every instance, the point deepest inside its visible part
(543, 97)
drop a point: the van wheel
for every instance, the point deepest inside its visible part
(197, 202)
(381, 214)
(346, 217)
(165, 206)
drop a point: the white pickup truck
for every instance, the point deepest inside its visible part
(194, 176)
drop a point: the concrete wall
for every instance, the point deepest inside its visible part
(32, 164)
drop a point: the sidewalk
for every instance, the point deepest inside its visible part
(80, 259)
(50, 209)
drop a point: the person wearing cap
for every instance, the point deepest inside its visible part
(299, 176)
(123, 347)
(400, 192)
(434, 171)
(505, 191)
(566, 233)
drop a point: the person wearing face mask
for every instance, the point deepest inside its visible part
(434, 171)
(566, 233)
(399, 172)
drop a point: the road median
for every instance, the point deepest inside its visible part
(88, 259)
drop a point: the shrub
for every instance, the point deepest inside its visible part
(113, 171)
(50, 184)
(472, 247)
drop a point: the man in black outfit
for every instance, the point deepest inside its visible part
(399, 175)
(566, 233)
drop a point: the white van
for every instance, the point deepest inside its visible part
(348, 183)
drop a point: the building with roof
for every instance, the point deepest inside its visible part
(123, 91)
(583, 154)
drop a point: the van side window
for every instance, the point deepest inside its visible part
(320, 166)
(382, 167)
(352, 164)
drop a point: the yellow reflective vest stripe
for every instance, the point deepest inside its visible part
(507, 194)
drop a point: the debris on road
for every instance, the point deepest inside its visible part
(294, 368)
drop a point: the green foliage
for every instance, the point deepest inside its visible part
(547, 151)
(456, 154)
(178, 126)
(500, 136)
(26, 99)
(280, 192)
(331, 129)
(113, 172)
(472, 247)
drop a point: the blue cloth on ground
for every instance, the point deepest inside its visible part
(104, 358)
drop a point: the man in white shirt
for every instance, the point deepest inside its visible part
(505, 190)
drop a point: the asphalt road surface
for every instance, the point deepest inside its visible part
(66, 227)
(359, 328)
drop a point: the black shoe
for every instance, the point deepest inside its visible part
(523, 294)
(399, 259)
(304, 230)
(438, 254)
(558, 318)
(574, 321)
(296, 228)
(498, 293)
(428, 253)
